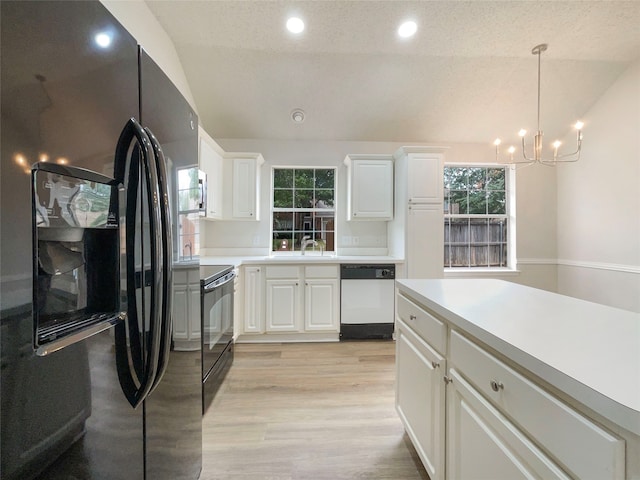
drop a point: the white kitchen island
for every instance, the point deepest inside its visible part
(498, 380)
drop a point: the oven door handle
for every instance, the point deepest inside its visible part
(212, 286)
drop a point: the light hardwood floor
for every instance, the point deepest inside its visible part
(312, 411)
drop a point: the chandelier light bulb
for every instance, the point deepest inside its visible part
(556, 144)
(511, 149)
(579, 125)
(497, 142)
(522, 132)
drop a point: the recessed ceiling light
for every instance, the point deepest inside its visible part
(297, 115)
(407, 29)
(295, 25)
(103, 40)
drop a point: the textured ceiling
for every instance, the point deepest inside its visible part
(468, 75)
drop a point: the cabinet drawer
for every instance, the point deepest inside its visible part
(282, 271)
(581, 446)
(321, 271)
(426, 325)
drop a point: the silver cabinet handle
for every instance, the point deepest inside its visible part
(447, 380)
(435, 364)
(412, 317)
(496, 386)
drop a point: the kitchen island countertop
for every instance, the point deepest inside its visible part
(589, 351)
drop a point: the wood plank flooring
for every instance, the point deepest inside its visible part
(312, 411)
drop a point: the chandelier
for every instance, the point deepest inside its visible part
(537, 153)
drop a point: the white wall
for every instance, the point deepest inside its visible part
(136, 17)
(535, 187)
(599, 202)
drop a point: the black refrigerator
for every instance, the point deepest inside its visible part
(93, 137)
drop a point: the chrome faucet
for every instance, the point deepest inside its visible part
(190, 245)
(306, 241)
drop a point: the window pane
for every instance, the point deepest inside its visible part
(324, 198)
(496, 203)
(303, 178)
(496, 179)
(282, 241)
(283, 198)
(497, 230)
(479, 256)
(282, 221)
(458, 202)
(459, 256)
(283, 178)
(478, 202)
(455, 178)
(303, 199)
(476, 178)
(324, 178)
(459, 230)
(478, 230)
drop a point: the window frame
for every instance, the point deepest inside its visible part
(509, 216)
(312, 250)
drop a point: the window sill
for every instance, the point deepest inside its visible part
(480, 272)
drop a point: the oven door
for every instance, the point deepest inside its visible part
(217, 320)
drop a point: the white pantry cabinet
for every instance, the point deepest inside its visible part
(369, 187)
(418, 229)
(186, 309)
(212, 164)
(246, 185)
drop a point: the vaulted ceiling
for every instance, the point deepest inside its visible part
(468, 74)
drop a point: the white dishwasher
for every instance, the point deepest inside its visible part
(367, 301)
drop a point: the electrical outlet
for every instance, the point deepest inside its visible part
(256, 240)
(356, 240)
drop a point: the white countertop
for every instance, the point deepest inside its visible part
(587, 350)
(301, 259)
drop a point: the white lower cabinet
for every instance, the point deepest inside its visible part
(420, 397)
(484, 444)
(253, 319)
(501, 424)
(283, 304)
(186, 309)
(298, 299)
(320, 305)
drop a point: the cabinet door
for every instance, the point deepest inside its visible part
(482, 443)
(245, 185)
(253, 322)
(425, 241)
(211, 164)
(180, 309)
(321, 305)
(282, 305)
(425, 178)
(420, 398)
(371, 190)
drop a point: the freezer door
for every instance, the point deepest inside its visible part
(64, 100)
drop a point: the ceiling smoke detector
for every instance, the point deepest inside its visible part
(297, 115)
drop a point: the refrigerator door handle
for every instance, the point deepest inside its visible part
(137, 382)
(165, 313)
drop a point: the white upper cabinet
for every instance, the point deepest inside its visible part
(246, 185)
(211, 164)
(369, 187)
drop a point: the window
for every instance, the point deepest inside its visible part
(476, 216)
(303, 209)
(189, 198)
